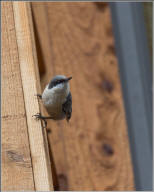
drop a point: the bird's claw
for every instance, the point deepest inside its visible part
(38, 116)
(39, 96)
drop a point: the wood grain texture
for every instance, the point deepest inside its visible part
(31, 86)
(16, 161)
(92, 151)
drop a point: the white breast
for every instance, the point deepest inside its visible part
(54, 98)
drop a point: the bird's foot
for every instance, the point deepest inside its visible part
(39, 96)
(38, 116)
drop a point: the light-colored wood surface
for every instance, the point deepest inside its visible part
(31, 86)
(16, 161)
(92, 151)
(25, 158)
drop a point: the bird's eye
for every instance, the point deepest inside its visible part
(57, 82)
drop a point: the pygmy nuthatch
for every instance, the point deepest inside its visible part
(57, 99)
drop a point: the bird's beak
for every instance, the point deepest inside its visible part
(69, 78)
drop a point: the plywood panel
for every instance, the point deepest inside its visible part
(92, 151)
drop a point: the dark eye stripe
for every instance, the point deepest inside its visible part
(54, 83)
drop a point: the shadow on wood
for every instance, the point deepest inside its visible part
(92, 151)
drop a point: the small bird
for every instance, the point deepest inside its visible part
(57, 99)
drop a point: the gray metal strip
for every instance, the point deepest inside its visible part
(0, 98)
(136, 78)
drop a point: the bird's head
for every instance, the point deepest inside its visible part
(59, 83)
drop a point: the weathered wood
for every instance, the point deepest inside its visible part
(31, 86)
(16, 161)
(23, 169)
(92, 151)
(45, 57)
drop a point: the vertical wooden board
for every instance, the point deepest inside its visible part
(92, 151)
(31, 86)
(45, 57)
(16, 160)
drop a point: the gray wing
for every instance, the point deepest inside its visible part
(67, 107)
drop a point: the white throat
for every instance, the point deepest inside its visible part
(56, 95)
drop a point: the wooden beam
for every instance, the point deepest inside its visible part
(92, 151)
(31, 86)
(16, 159)
(20, 84)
